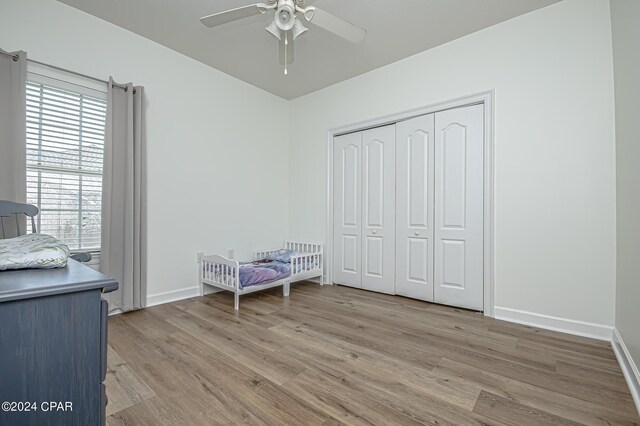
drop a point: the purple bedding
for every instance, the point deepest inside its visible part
(263, 272)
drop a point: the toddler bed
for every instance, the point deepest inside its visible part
(297, 261)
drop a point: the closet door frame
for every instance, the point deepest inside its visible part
(485, 98)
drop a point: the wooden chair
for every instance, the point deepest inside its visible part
(11, 208)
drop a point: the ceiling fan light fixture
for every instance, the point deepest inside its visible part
(274, 30)
(298, 29)
(285, 15)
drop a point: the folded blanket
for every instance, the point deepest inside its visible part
(33, 251)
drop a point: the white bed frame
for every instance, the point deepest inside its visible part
(222, 273)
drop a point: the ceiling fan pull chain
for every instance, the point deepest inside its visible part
(286, 45)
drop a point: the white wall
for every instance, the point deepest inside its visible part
(555, 166)
(625, 22)
(212, 140)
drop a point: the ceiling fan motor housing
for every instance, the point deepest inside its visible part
(285, 15)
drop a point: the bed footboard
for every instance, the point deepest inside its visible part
(220, 272)
(306, 265)
(309, 263)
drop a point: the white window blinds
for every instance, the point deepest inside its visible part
(65, 147)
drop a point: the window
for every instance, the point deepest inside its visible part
(65, 147)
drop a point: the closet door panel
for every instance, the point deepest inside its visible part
(459, 174)
(347, 201)
(414, 207)
(378, 245)
(417, 268)
(350, 256)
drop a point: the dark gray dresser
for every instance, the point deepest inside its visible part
(53, 346)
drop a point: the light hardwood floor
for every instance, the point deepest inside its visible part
(333, 355)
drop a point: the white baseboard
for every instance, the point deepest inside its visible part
(564, 325)
(172, 296)
(628, 366)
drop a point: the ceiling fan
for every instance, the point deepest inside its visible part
(287, 24)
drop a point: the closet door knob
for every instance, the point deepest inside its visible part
(417, 233)
(374, 232)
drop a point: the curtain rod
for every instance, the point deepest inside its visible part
(15, 58)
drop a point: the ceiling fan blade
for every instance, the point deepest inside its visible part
(232, 15)
(335, 25)
(286, 47)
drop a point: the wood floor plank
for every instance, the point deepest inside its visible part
(473, 348)
(593, 375)
(333, 422)
(370, 362)
(147, 321)
(124, 387)
(488, 344)
(244, 388)
(396, 319)
(364, 371)
(544, 335)
(510, 413)
(525, 394)
(345, 401)
(570, 355)
(332, 355)
(426, 405)
(178, 381)
(278, 369)
(223, 302)
(257, 334)
(547, 380)
(554, 344)
(152, 411)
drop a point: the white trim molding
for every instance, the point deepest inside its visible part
(628, 366)
(172, 296)
(486, 98)
(563, 325)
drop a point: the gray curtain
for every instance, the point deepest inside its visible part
(13, 174)
(124, 198)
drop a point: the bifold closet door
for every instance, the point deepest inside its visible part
(378, 208)
(459, 210)
(414, 207)
(408, 208)
(347, 209)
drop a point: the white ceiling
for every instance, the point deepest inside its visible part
(396, 29)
